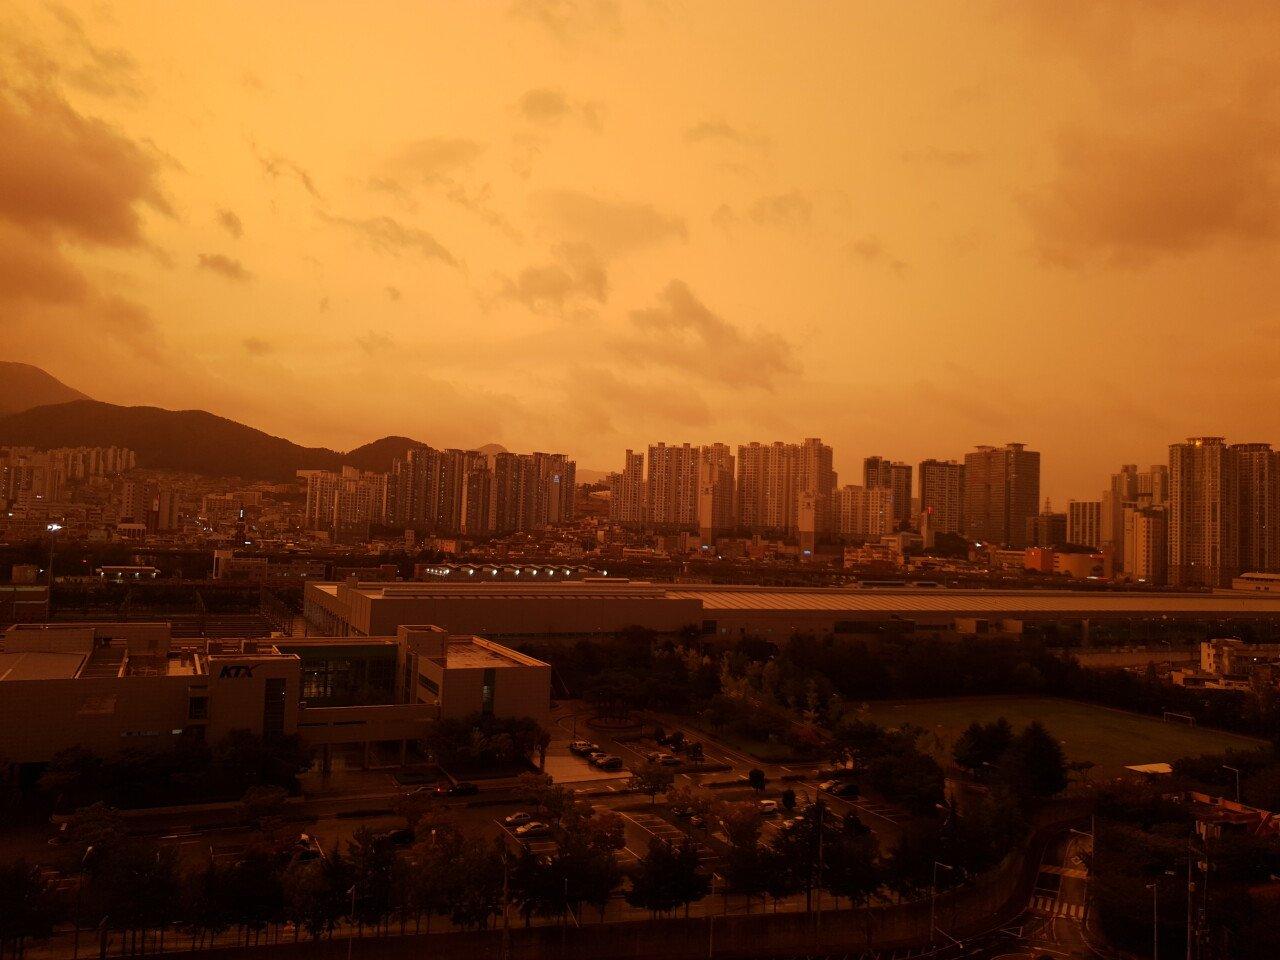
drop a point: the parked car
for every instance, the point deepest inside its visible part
(595, 756)
(583, 748)
(532, 830)
(668, 760)
(768, 808)
(839, 788)
(307, 849)
(610, 763)
(462, 788)
(519, 818)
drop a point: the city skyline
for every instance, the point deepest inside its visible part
(313, 249)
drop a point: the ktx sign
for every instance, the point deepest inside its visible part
(236, 671)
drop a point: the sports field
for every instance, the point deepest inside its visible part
(1110, 738)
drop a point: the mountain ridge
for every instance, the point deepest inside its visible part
(24, 386)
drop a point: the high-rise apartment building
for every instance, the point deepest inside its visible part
(672, 485)
(716, 490)
(882, 472)
(1146, 546)
(1001, 492)
(1258, 484)
(942, 494)
(627, 505)
(767, 487)
(864, 513)
(815, 489)
(1084, 523)
(1204, 544)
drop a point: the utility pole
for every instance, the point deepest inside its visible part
(506, 899)
(1190, 898)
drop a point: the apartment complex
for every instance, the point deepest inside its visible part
(446, 492)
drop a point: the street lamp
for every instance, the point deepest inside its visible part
(1236, 771)
(1154, 887)
(933, 901)
(53, 528)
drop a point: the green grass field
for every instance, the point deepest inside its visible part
(1110, 738)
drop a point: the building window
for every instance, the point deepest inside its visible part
(486, 692)
(198, 708)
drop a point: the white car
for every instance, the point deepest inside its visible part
(517, 818)
(768, 807)
(533, 829)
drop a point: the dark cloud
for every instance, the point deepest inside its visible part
(547, 106)
(391, 236)
(599, 394)
(571, 21)
(68, 178)
(611, 227)
(719, 130)
(231, 223)
(1131, 196)
(75, 61)
(224, 266)
(870, 249)
(70, 175)
(576, 277)
(683, 334)
(794, 210)
(276, 167)
(257, 347)
(374, 342)
(431, 160)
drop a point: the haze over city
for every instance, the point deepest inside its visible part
(585, 226)
(664, 479)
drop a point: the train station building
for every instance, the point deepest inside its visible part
(107, 686)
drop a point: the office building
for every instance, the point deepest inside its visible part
(1084, 523)
(1047, 529)
(1001, 493)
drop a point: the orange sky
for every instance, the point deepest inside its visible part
(585, 225)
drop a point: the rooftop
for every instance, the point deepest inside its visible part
(476, 653)
(36, 665)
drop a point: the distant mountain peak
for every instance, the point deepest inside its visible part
(23, 386)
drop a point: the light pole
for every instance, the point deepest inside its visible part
(53, 529)
(1236, 771)
(933, 901)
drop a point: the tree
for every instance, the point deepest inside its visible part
(849, 862)
(310, 903)
(756, 779)
(264, 807)
(667, 877)
(372, 864)
(788, 800)
(29, 907)
(1034, 765)
(653, 779)
(983, 744)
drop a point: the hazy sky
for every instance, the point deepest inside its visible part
(584, 225)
